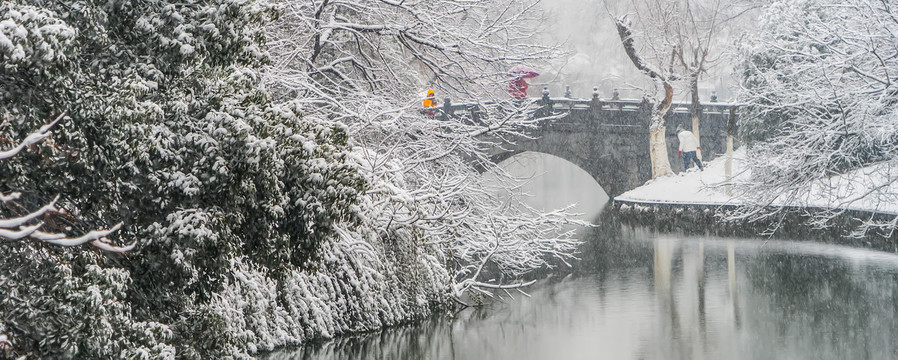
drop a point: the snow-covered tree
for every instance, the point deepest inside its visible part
(675, 43)
(171, 134)
(21, 323)
(398, 49)
(29, 225)
(819, 78)
(368, 63)
(658, 64)
(697, 28)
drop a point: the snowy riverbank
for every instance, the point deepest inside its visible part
(690, 187)
(694, 201)
(858, 190)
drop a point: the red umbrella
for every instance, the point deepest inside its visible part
(523, 72)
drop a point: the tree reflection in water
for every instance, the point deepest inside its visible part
(637, 294)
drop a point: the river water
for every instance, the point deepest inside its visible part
(639, 294)
(644, 295)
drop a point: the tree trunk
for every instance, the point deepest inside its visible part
(731, 131)
(696, 113)
(657, 128)
(658, 152)
(658, 136)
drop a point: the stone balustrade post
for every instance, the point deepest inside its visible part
(546, 102)
(447, 109)
(595, 104)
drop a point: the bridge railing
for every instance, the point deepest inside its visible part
(562, 104)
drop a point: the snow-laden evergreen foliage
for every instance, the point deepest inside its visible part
(170, 133)
(260, 222)
(355, 289)
(819, 80)
(60, 304)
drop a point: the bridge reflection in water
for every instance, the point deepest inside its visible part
(684, 318)
(637, 294)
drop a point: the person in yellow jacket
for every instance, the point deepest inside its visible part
(430, 101)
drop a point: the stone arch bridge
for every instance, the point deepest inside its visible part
(609, 138)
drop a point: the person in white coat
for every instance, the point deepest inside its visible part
(688, 147)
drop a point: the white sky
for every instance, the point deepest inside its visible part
(598, 59)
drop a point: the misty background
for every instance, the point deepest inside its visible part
(597, 59)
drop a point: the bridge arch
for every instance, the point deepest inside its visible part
(554, 183)
(612, 166)
(609, 181)
(609, 139)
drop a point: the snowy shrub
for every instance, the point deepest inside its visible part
(819, 84)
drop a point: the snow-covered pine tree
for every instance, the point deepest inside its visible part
(171, 135)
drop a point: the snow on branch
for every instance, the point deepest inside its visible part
(821, 121)
(366, 64)
(21, 220)
(32, 139)
(398, 48)
(626, 38)
(23, 227)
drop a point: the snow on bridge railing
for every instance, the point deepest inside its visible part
(615, 103)
(568, 103)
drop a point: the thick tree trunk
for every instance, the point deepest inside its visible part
(696, 113)
(728, 165)
(658, 127)
(658, 152)
(658, 136)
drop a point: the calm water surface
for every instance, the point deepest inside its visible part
(644, 295)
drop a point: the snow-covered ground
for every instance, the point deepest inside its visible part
(865, 189)
(691, 187)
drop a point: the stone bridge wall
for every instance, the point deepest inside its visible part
(609, 139)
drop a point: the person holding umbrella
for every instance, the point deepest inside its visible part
(518, 87)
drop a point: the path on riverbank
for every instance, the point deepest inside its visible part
(689, 187)
(866, 189)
